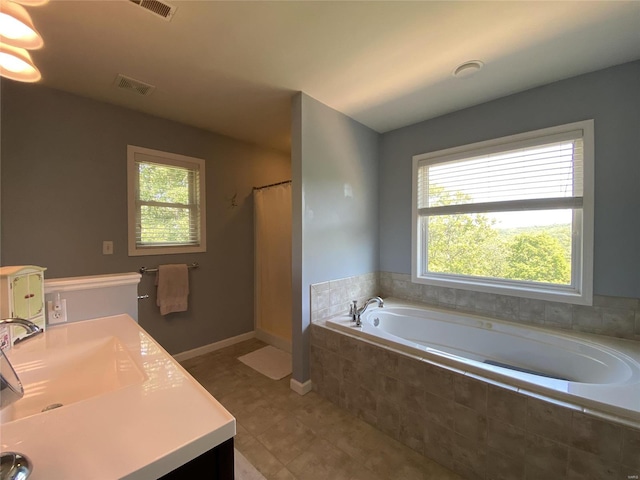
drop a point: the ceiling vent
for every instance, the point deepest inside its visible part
(133, 85)
(161, 9)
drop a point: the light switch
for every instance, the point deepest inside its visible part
(107, 247)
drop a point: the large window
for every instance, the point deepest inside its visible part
(512, 216)
(166, 203)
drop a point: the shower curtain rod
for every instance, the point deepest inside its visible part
(272, 185)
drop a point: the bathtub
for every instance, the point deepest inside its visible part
(592, 373)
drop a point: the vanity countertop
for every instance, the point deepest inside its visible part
(129, 409)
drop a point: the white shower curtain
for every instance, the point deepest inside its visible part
(272, 219)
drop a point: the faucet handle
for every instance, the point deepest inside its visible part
(353, 308)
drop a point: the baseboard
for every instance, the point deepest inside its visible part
(273, 340)
(212, 347)
(300, 388)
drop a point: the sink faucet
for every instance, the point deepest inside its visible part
(31, 328)
(356, 312)
(14, 465)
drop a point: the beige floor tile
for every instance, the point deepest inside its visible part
(287, 439)
(260, 416)
(321, 415)
(322, 461)
(241, 399)
(284, 474)
(291, 437)
(357, 438)
(264, 461)
(243, 437)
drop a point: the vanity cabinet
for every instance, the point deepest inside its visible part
(21, 295)
(215, 464)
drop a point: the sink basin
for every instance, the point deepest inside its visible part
(60, 370)
(130, 411)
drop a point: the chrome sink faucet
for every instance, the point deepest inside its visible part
(31, 328)
(14, 465)
(355, 312)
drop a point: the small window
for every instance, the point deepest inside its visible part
(511, 216)
(166, 196)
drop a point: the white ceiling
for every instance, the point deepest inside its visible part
(232, 67)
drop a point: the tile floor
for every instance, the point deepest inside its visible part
(287, 436)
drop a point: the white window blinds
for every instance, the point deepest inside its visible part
(521, 176)
(510, 216)
(168, 204)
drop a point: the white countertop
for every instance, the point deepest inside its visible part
(156, 420)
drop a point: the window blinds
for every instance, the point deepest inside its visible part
(522, 176)
(167, 201)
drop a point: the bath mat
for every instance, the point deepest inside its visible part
(243, 468)
(269, 361)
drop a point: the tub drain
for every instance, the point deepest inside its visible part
(51, 407)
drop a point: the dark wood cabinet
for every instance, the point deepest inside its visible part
(216, 464)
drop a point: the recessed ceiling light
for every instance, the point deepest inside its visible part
(468, 68)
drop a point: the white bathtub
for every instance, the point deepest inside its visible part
(589, 372)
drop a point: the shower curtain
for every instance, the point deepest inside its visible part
(272, 219)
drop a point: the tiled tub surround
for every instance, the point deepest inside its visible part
(332, 298)
(612, 316)
(478, 429)
(593, 372)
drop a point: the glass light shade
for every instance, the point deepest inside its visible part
(16, 27)
(16, 64)
(31, 3)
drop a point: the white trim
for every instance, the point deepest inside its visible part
(70, 284)
(212, 347)
(570, 131)
(581, 292)
(166, 158)
(588, 209)
(273, 340)
(300, 388)
(505, 206)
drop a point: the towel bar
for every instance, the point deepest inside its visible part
(144, 270)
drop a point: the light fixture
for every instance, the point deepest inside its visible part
(16, 27)
(16, 64)
(467, 68)
(31, 3)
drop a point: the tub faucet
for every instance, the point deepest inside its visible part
(31, 328)
(356, 312)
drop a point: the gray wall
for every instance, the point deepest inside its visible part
(335, 198)
(611, 97)
(64, 191)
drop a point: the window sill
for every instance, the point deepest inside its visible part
(560, 294)
(142, 251)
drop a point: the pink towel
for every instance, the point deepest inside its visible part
(173, 288)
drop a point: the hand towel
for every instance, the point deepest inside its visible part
(173, 288)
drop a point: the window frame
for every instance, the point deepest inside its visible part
(174, 160)
(581, 291)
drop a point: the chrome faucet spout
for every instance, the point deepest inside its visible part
(31, 328)
(13, 465)
(359, 311)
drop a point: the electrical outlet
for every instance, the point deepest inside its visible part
(107, 247)
(57, 311)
